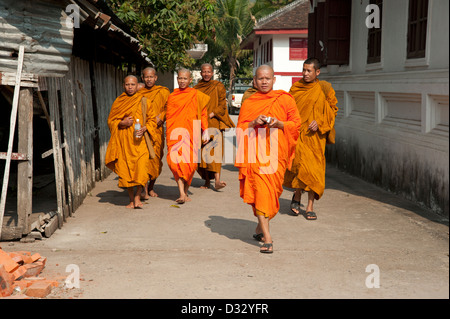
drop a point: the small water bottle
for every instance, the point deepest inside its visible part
(137, 126)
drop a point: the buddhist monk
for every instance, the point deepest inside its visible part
(186, 107)
(268, 123)
(127, 154)
(156, 96)
(218, 121)
(316, 103)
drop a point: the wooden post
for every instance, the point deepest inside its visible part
(12, 129)
(57, 158)
(25, 168)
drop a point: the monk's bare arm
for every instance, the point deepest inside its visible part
(127, 121)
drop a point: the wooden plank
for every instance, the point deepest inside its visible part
(51, 226)
(66, 107)
(54, 120)
(11, 136)
(25, 168)
(15, 156)
(27, 80)
(50, 152)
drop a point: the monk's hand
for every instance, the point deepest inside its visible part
(211, 115)
(313, 126)
(260, 120)
(205, 136)
(276, 124)
(141, 131)
(127, 121)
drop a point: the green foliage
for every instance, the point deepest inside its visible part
(167, 28)
(236, 20)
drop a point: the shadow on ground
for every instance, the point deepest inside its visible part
(233, 228)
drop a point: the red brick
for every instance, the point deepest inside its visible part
(39, 289)
(35, 257)
(33, 270)
(6, 281)
(6, 260)
(18, 258)
(19, 272)
(22, 284)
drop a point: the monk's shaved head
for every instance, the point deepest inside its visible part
(264, 67)
(264, 78)
(184, 71)
(130, 77)
(130, 84)
(149, 69)
(314, 62)
(206, 65)
(184, 78)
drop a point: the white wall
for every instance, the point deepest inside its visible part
(392, 126)
(281, 62)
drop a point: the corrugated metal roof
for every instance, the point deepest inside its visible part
(39, 25)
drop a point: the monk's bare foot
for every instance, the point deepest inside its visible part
(180, 200)
(206, 186)
(130, 205)
(138, 204)
(220, 185)
(144, 196)
(187, 199)
(152, 193)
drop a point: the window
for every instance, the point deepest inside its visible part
(417, 28)
(298, 49)
(329, 32)
(374, 41)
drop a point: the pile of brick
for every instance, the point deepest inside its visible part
(19, 275)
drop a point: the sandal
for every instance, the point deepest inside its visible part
(268, 250)
(310, 215)
(295, 205)
(258, 237)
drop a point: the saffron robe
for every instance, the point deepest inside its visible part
(261, 178)
(127, 156)
(157, 98)
(213, 151)
(183, 135)
(315, 101)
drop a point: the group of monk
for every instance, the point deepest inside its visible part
(293, 126)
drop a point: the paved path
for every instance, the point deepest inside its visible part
(205, 249)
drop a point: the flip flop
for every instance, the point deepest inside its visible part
(258, 237)
(267, 246)
(310, 215)
(295, 205)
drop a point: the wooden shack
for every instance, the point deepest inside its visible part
(62, 64)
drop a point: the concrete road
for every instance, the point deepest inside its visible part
(364, 236)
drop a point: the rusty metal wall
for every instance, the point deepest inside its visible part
(39, 25)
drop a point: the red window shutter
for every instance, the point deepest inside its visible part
(298, 49)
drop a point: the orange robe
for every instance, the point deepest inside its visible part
(183, 108)
(157, 98)
(308, 168)
(220, 121)
(125, 155)
(261, 180)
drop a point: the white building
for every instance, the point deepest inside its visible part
(281, 41)
(392, 84)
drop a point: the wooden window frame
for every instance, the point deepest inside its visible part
(417, 28)
(374, 44)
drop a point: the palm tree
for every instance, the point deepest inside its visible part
(235, 22)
